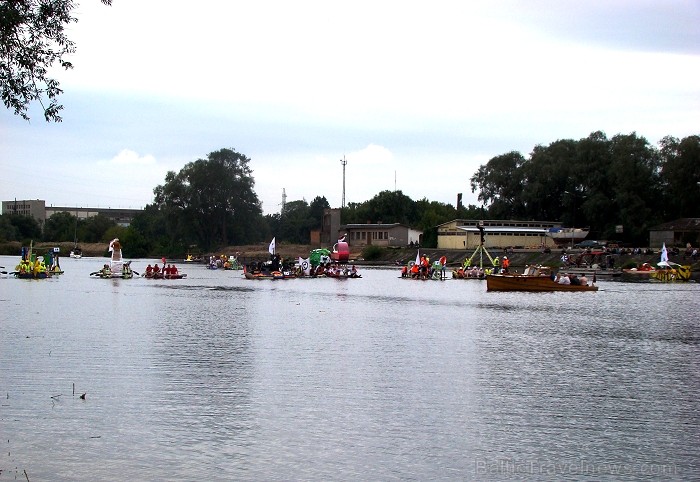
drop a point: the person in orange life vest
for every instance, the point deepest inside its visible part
(149, 271)
(506, 264)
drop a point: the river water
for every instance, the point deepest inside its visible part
(215, 377)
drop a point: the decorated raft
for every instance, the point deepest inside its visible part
(116, 268)
(273, 269)
(665, 271)
(324, 263)
(32, 266)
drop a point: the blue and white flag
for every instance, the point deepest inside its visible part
(271, 249)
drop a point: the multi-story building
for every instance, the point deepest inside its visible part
(37, 209)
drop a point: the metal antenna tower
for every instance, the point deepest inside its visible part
(284, 198)
(344, 163)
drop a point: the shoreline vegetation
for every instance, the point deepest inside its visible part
(382, 256)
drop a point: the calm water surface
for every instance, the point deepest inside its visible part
(215, 377)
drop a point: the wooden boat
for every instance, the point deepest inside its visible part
(535, 279)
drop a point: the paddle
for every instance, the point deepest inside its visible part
(136, 272)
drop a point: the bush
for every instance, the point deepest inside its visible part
(372, 253)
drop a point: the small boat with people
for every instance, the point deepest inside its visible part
(169, 271)
(538, 279)
(224, 262)
(423, 269)
(116, 268)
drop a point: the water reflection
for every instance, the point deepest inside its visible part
(222, 378)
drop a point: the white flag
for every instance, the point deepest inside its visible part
(271, 249)
(305, 265)
(664, 255)
(418, 257)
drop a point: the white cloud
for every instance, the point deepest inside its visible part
(415, 96)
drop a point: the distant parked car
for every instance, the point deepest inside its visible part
(590, 243)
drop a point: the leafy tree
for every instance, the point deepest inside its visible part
(113, 232)
(593, 157)
(212, 201)
(61, 227)
(429, 215)
(637, 195)
(545, 176)
(387, 207)
(295, 222)
(680, 176)
(96, 227)
(138, 245)
(8, 231)
(148, 229)
(316, 208)
(32, 40)
(596, 182)
(499, 183)
(18, 227)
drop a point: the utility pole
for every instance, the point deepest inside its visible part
(344, 163)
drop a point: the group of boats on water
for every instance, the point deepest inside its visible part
(335, 263)
(320, 263)
(499, 277)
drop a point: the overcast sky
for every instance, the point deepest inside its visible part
(414, 95)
